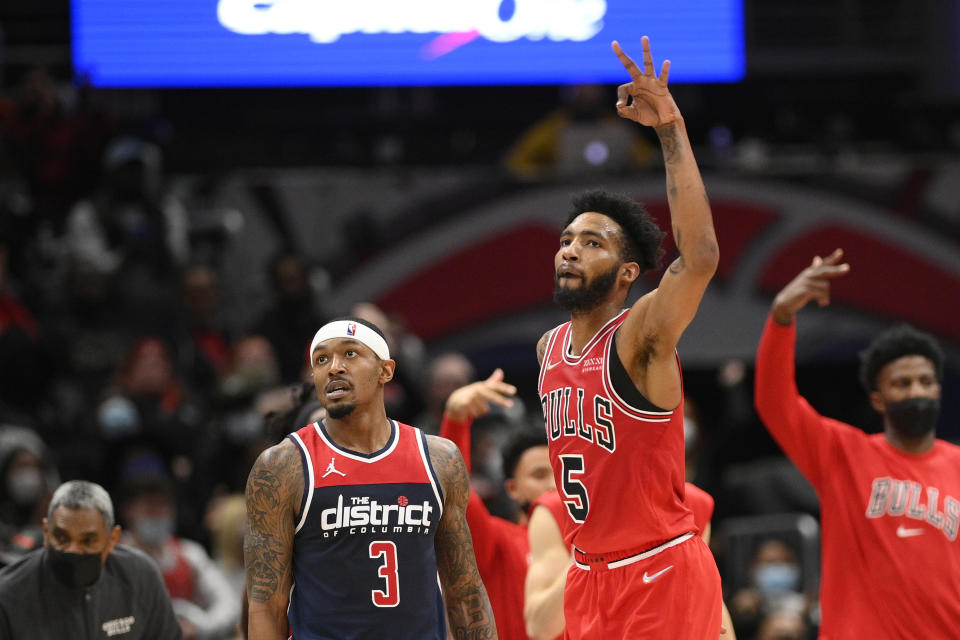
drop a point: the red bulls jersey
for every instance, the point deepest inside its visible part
(699, 501)
(364, 564)
(617, 458)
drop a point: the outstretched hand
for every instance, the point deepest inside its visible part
(813, 283)
(474, 400)
(645, 99)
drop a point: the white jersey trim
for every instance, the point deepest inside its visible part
(596, 339)
(640, 556)
(551, 341)
(346, 453)
(623, 405)
(426, 467)
(308, 463)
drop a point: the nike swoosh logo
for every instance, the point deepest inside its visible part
(903, 532)
(648, 578)
(551, 365)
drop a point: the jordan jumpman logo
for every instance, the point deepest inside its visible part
(332, 469)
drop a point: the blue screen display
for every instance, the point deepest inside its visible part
(311, 43)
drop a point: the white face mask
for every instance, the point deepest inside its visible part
(154, 531)
(25, 485)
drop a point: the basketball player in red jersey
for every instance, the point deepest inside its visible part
(890, 502)
(501, 545)
(612, 396)
(352, 519)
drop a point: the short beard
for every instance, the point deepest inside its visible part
(588, 295)
(340, 411)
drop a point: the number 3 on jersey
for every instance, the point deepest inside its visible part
(574, 493)
(389, 597)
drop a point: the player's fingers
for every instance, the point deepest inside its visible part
(496, 376)
(665, 71)
(647, 57)
(834, 258)
(626, 61)
(816, 262)
(497, 398)
(503, 388)
(832, 271)
(623, 94)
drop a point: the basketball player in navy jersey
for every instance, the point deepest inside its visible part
(352, 518)
(612, 395)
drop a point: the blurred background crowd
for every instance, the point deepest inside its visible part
(166, 257)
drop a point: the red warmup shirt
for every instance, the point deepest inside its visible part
(891, 561)
(502, 549)
(618, 459)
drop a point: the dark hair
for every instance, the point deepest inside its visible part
(897, 342)
(641, 235)
(365, 323)
(517, 446)
(304, 401)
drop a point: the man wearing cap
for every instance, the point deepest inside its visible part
(359, 514)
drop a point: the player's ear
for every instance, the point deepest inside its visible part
(387, 368)
(878, 403)
(511, 486)
(630, 271)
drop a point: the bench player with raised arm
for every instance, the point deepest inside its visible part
(612, 395)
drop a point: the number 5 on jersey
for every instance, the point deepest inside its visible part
(389, 597)
(574, 493)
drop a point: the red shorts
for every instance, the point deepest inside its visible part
(671, 595)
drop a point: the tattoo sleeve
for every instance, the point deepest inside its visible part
(273, 492)
(468, 608)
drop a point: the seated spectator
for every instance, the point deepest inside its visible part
(294, 315)
(29, 477)
(203, 343)
(148, 407)
(90, 585)
(775, 586)
(132, 227)
(203, 600)
(445, 373)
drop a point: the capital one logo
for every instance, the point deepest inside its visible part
(326, 20)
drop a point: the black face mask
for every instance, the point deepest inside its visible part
(914, 417)
(75, 570)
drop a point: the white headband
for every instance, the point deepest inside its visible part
(355, 331)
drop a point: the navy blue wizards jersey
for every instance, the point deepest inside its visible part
(364, 565)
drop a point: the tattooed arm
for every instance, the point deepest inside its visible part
(468, 609)
(650, 334)
(542, 346)
(274, 491)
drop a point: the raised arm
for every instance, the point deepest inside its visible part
(468, 608)
(469, 402)
(274, 489)
(654, 326)
(546, 576)
(794, 424)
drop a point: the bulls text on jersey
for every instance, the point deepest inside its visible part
(892, 497)
(563, 414)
